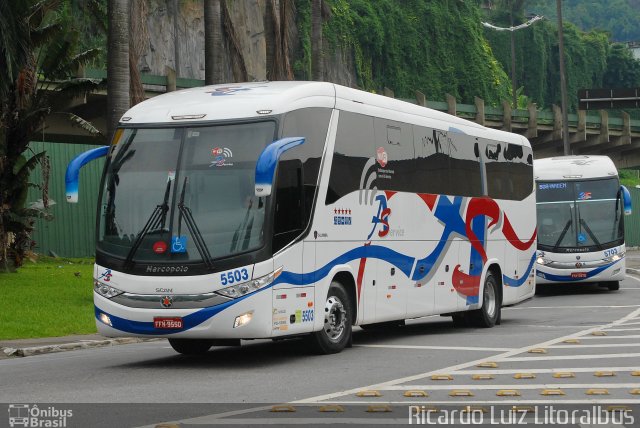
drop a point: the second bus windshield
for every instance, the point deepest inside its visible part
(579, 214)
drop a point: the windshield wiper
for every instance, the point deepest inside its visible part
(198, 240)
(156, 221)
(593, 237)
(564, 232)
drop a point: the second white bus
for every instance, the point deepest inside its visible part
(581, 208)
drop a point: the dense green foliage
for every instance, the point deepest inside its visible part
(591, 60)
(37, 46)
(618, 17)
(436, 47)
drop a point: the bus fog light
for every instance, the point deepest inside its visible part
(243, 319)
(104, 318)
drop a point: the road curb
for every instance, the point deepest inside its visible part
(72, 346)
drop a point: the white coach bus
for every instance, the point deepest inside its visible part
(581, 207)
(275, 209)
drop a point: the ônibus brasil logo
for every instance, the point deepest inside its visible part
(27, 415)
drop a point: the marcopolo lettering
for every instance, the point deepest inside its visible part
(167, 269)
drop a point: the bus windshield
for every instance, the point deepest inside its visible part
(579, 214)
(183, 194)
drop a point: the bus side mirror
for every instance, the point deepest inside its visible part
(268, 160)
(626, 200)
(73, 170)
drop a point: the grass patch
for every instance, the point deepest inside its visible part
(52, 297)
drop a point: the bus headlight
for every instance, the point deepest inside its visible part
(542, 261)
(106, 290)
(239, 290)
(615, 257)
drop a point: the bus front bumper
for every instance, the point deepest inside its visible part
(614, 271)
(246, 317)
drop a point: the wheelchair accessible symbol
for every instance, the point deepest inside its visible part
(179, 244)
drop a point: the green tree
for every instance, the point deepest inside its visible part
(37, 47)
(623, 71)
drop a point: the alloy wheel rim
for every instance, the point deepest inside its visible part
(335, 316)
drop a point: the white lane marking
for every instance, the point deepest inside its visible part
(567, 357)
(558, 326)
(631, 323)
(629, 336)
(599, 345)
(468, 364)
(634, 278)
(624, 329)
(571, 307)
(484, 387)
(553, 370)
(499, 402)
(436, 348)
(630, 288)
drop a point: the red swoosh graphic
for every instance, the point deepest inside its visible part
(464, 284)
(428, 199)
(480, 206)
(510, 234)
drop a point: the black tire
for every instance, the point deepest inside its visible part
(489, 314)
(460, 320)
(190, 346)
(613, 285)
(336, 331)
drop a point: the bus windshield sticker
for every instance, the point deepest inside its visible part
(179, 244)
(220, 156)
(583, 196)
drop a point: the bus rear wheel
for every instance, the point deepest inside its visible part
(190, 346)
(489, 314)
(336, 331)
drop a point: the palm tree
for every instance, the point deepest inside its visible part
(278, 22)
(212, 42)
(36, 48)
(117, 63)
(317, 67)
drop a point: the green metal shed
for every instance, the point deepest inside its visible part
(71, 233)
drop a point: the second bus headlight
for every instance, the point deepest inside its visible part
(239, 290)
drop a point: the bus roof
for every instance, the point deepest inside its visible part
(262, 99)
(573, 168)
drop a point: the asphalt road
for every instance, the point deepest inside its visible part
(578, 330)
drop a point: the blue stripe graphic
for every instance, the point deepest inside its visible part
(512, 282)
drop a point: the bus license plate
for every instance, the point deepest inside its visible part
(167, 323)
(578, 275)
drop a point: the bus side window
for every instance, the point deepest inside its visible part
(289, 210)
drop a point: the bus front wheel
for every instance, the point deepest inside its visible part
(489, 314)
(336, 330)
(190, 346)
(613, 285)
